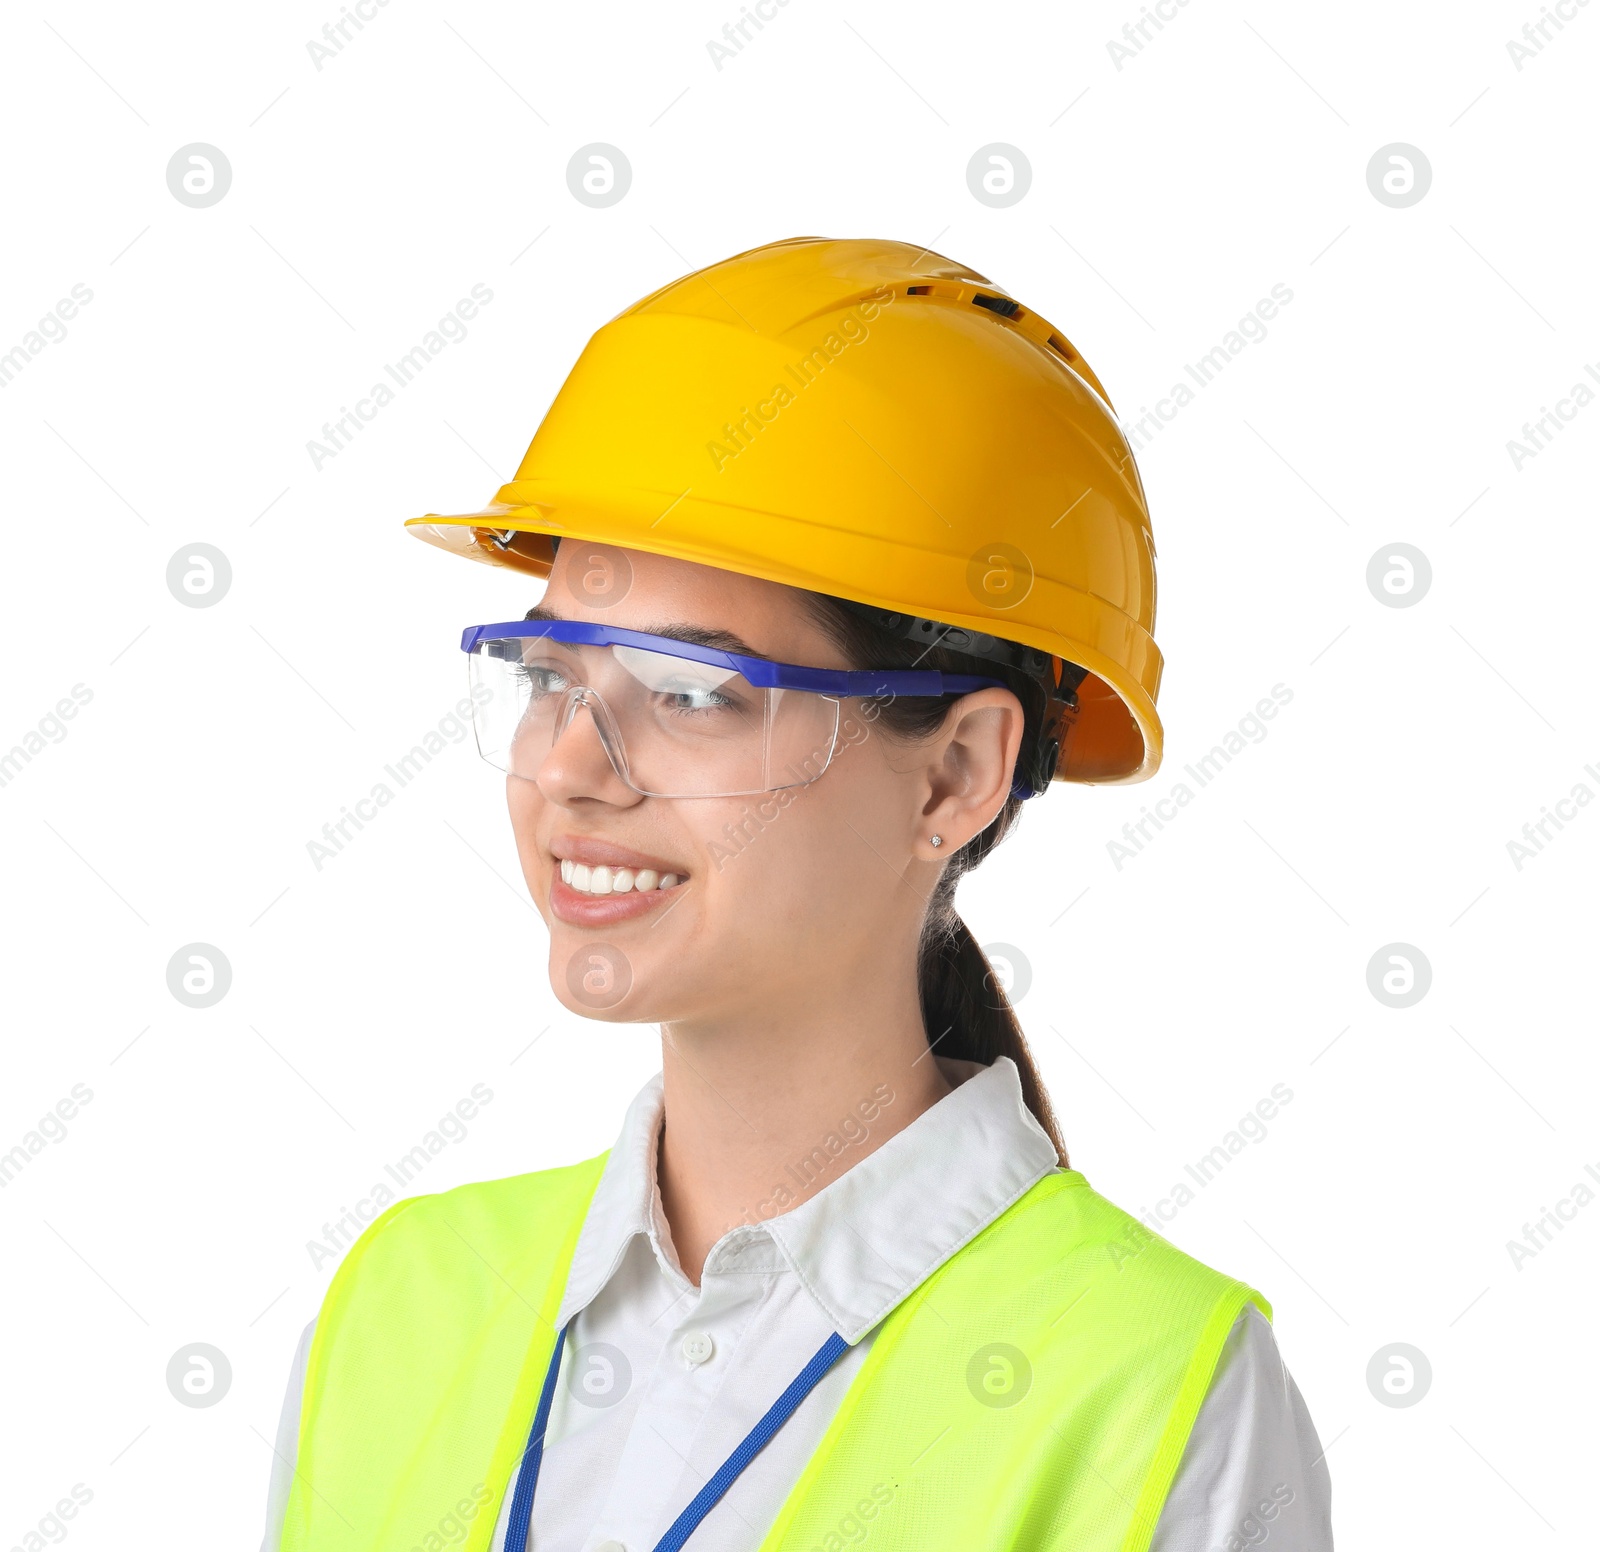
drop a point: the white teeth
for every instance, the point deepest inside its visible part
(602, 880)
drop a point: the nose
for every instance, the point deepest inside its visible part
(578, 765)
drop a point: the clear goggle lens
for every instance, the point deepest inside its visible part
(671, 726)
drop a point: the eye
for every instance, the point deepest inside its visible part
(694, 697)
(680, 684)
(543, 678)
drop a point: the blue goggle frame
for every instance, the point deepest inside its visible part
(765, 674)
(841, 683)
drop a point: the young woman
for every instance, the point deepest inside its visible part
(847, 559)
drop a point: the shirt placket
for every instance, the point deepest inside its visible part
(698, 1361)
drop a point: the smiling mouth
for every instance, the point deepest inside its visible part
(596, 883)
(598, 879)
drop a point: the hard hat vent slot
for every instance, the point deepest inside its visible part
(997, 304)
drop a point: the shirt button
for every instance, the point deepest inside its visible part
(697, 1347)
(611, 1546)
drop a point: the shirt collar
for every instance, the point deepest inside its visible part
(869, 1238)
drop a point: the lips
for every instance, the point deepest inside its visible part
(592, 852)
(597, 883)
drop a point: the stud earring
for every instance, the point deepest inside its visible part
(936, 841)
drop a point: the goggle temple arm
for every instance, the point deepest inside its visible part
(1036, 767)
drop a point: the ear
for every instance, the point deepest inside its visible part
(970, 762)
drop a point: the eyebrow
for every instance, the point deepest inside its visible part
(694, 635)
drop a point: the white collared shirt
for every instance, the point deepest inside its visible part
(661, 1381)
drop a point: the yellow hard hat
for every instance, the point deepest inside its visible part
(870, 420)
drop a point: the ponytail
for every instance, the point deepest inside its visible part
(965, 1009)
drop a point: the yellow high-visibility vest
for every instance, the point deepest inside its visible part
(1035, 1392)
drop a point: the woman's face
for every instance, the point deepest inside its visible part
(774, 889)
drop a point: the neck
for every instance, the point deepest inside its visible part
(762, 1112)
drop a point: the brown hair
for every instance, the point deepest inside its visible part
(965, 1010)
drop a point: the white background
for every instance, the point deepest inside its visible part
(1167, 996)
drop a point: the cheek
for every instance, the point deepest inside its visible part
(762, 871)
(525, 803)
(825, 857)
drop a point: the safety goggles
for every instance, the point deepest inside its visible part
(676, 719)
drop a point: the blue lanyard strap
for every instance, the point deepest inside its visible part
(711, 1494)
(521, 1520)
(754, 1442)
